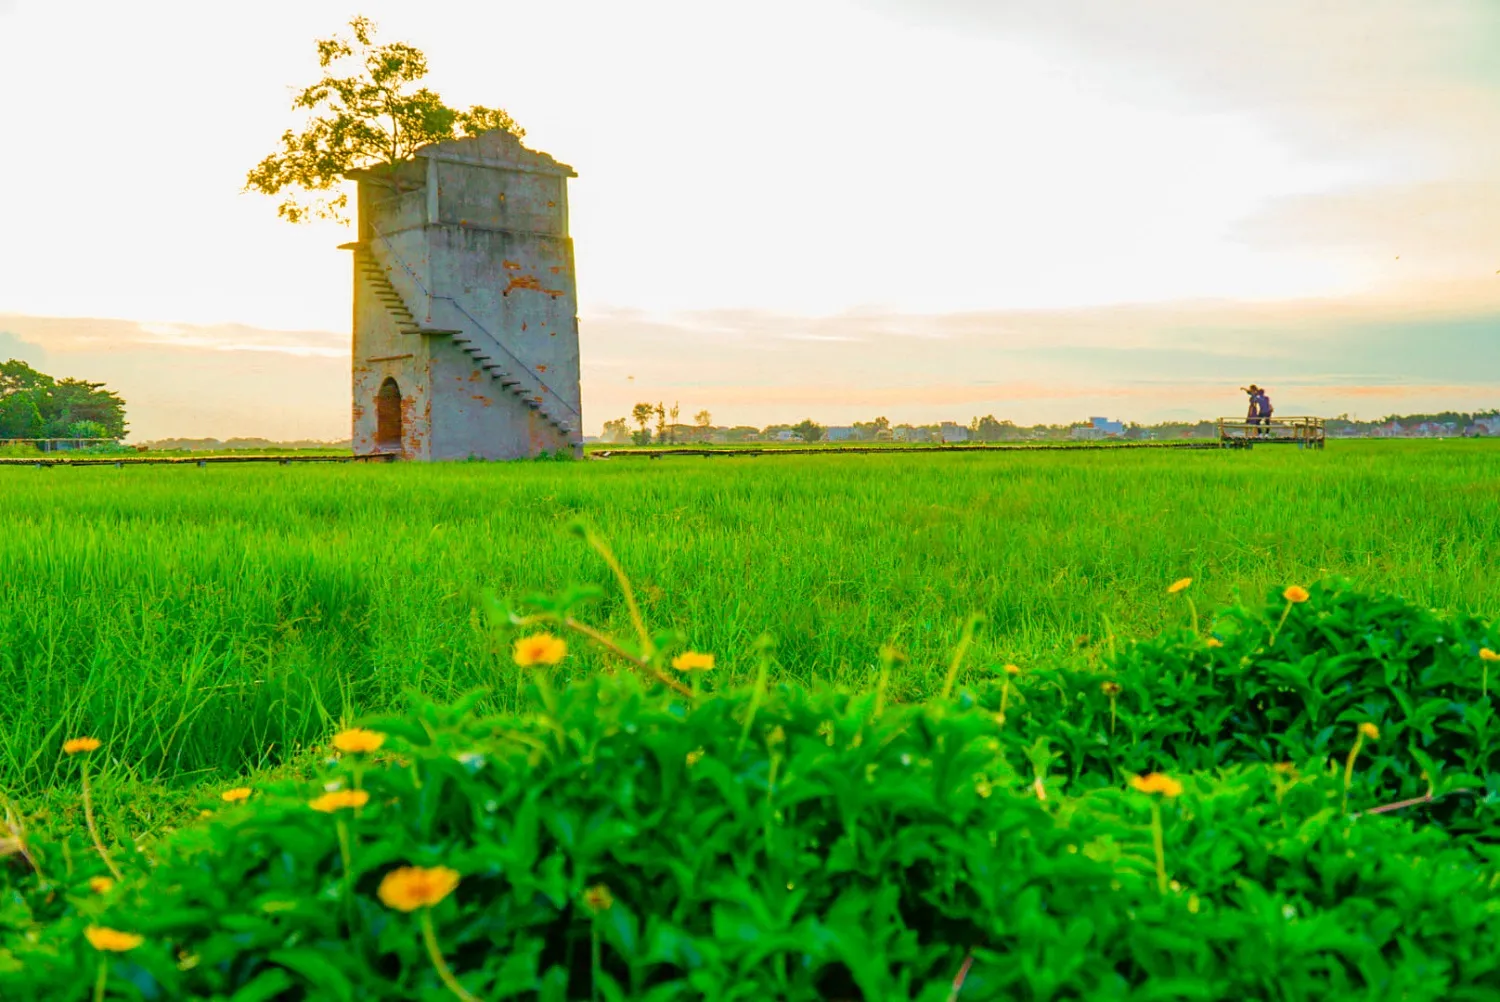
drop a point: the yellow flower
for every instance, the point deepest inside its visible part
(76, 745)
(539, 649)
(236, 795)
(1370, 731)
(694, 756)
(693, 661)
(408, 888)
(330, 802)
(1110, 688)
(100, 885)
(111, 940)
(357, 739)
(776, 736)
(1485, 654)
(1012, 670)
(1215, 642)
(983, 788)
(598, 899)
(1295, 594)
(1285, 768)
(1179, 585)
(1157, 783)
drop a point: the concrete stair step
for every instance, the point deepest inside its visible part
(406, 322)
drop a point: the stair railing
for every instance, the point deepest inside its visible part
(391, 252)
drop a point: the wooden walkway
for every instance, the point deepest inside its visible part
(900, 450)
(54, 459)
(1240, 433)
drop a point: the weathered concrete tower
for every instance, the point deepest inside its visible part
(465, 306)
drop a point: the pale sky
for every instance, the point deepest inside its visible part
(929, 209)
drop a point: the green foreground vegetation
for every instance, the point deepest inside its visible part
(852, 812)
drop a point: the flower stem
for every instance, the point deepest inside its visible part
(346, 852)
(1359, 740)
(595, 960)
(88, 818)
(1159, 840)
(964, 640)
(602, 548)
(103, 979)
(1193, 609)
(1279, 624)
(756, 695)
(429, 937)
(888, 659)
(641, 663)
(770, 806)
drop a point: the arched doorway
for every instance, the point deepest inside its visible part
(388, 416)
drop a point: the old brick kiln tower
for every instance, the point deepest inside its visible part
(465, 306)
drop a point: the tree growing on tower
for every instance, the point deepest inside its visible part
(366, 112)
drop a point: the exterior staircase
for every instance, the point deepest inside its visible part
(494, 358)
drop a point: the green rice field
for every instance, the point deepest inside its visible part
(1225, 731)
(209, 622)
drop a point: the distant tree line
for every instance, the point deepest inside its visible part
(36, 405)
(657, 424)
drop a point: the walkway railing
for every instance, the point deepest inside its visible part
(1303, 432)
(391, 250)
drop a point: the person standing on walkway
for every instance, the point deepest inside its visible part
(1265, 409)
(1253, 417)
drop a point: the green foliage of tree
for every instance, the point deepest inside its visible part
(616, 431)
(87, 429)
(36, 405)
(78, 402)
(642, 414)
(16, 375)
(988, 429)
(810, 430)
(366, 112)
(19, 416)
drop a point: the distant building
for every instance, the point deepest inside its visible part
(1099, 427)
(787, 435)
(951, 432)
(840, 434)
(1484, 426)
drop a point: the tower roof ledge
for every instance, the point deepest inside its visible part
(496, 148)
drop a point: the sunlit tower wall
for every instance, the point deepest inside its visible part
(465, 305)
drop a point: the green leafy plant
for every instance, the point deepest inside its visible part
(626, 836)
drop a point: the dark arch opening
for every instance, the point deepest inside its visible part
(388, 415)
